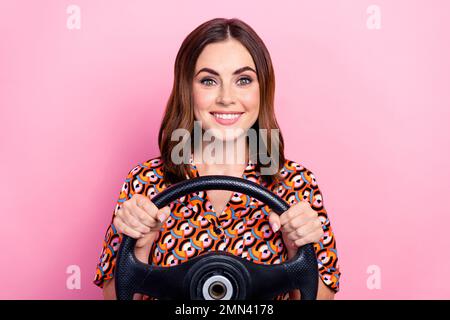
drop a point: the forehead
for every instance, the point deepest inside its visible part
(224, 56)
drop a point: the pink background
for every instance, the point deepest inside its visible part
(366, 110)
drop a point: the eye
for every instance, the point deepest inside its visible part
(245, 80)
(207, 81)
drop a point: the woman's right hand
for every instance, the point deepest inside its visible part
(140, 219)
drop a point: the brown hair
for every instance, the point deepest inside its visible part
(179, 111)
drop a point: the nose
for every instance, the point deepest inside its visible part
(226, 96)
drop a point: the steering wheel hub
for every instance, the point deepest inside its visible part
(217, 277)
(217, 288)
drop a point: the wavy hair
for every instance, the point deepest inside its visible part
(179, 112)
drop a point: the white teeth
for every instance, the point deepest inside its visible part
(227, 116)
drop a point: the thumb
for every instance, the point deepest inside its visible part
(274, 221)
(163, 213)
(146, 240)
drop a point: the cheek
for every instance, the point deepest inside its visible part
(203, 99)
(250, 100)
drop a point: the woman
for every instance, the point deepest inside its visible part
(223, 80)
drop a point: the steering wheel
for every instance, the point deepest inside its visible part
(216, 275)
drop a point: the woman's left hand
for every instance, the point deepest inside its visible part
(299, 225)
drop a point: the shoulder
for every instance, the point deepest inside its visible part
(296, 175)
(299, 183)
(146, 177)
(153, 164)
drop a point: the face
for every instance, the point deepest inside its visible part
(226, 89)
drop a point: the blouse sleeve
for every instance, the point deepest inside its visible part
(305, 188)
(327, 255)
(112, 239)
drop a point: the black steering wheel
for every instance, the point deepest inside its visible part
(216, 275)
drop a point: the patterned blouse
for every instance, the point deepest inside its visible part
(242, 228)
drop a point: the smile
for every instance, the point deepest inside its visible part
(227, 118)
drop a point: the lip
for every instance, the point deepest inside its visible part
(226, 122)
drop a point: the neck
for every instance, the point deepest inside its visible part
(222, 154)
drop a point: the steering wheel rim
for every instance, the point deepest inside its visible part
(258, 281)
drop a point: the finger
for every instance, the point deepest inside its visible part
(274, 221)
(148, 206)
(295, 223)
(311, 238)
(302, 232)
(144, 217)
(131, 232)
(163, 213)
(293, 211)
(151, 221)
(289, 214)
(147, 239)
(131, 221)
(125, 229)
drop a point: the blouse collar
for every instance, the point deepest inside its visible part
(250, 170)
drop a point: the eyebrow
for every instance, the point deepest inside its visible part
(240, 70)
